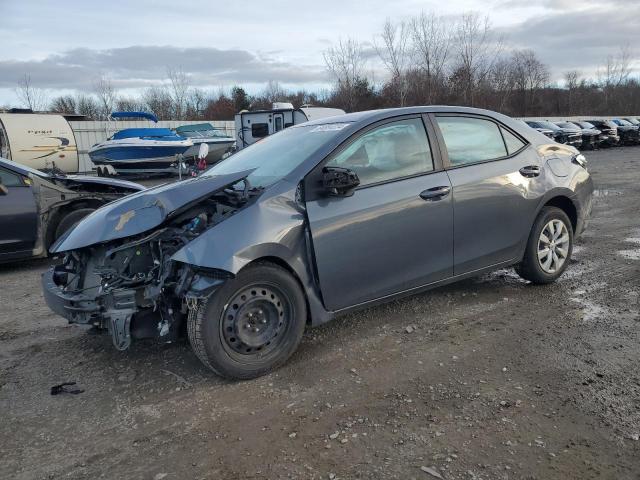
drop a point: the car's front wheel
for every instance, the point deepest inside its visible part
(251, 325)
(549, 247)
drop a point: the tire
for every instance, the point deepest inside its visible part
(536, 266)
(71, 219)
(224, 332)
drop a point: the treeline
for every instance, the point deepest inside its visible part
(428, 59)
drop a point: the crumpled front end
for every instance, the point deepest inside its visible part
(130, 287)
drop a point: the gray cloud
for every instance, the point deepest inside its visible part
(579, 39)
(139, 66)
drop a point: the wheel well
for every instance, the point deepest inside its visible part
(56, 216)
(281, 263)
(566, 205)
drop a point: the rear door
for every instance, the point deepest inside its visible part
(395, 232)
(495, 177)
(18, 216)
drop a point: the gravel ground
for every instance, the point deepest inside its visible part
(490, 378)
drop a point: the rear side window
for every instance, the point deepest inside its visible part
(470, 140)
(512, 142)
(259, 130)
(10, 179)
(391, 151)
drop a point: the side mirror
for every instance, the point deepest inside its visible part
(339, 182)
(3, 190)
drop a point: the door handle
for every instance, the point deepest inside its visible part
(530, 171)
(435, 193)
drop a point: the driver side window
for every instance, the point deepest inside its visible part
(388, 152)
(10, 179)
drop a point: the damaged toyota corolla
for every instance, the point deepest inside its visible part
(318, 220)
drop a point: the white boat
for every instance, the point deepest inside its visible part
(140, 150)
(218, 141)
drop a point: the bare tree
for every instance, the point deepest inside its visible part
(530, 76)
(432, 43)
(63, 104)
(571, 81)
(502, 82)
(196, 103)
(273, 92)
(30, 96)
(617, 69)
(106, 94)
(88, 106)
(345, 62)
(179, 89)
(159, 101)
(478, 50)
(394, 53)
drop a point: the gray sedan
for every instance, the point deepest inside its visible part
(318, 220)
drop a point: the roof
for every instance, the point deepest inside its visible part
(374, 115)
(148, 116)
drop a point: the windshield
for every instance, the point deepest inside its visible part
(586, 125)
(625, 123)
(205, 134)
(275, 156)
(549, 125)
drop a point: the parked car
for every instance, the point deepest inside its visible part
(560, 135)
(590, 136)
(36, 208)
(633, 121)
(547, 132)
(629, 134)
(609, 130)
(600, 137)
(318, 220)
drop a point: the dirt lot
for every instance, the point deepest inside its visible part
(495, 379)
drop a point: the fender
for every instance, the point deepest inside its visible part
(274, 227)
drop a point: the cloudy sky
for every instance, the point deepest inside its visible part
(66, 45)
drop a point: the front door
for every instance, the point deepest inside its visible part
(18, 216)
(395, 232)
(494, 175)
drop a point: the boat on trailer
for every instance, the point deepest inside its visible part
(140, 150)
(217, 140)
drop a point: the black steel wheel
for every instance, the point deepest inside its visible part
(251, 325)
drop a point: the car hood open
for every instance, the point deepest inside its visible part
(141, 211)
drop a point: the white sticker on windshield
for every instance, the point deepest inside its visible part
(329, 127)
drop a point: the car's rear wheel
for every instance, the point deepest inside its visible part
(549, 247)
(71, 219)
(251, 325)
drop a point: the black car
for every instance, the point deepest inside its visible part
(609, 132)
(560, 135)
(36, 208)
(629, 134)
(590, 136)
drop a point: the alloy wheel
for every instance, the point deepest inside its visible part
(553, 246)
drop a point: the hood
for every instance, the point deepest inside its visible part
(141, 211)
(85, 179)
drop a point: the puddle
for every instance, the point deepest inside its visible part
(606, 193)
(590, 311)
(633, 240)
(630, 254)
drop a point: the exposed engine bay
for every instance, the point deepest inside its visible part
(131, 288)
